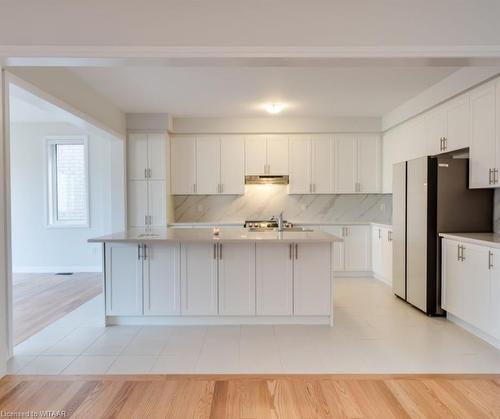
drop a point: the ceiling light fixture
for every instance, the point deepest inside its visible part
(274, 108)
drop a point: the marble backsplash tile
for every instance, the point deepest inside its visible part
(263, 201)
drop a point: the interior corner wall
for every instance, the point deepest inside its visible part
(35, 247)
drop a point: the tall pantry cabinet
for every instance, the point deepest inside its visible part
(147, 157)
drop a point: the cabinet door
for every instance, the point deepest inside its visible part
(137, 156)
(255, 155)
(497, 141)
(312, 279)
(387, 256)
(123, 279)
(494, 300)
(377, 233)
(157, 203)
(198, 279)
(300, 165)
(483, 136)
(274, 275)
(207, 165)
(476, 279)
(237, 279)
(345, 164)
(162, 280)
(458, 123)
(277, 155)
(435, 122)
(337, 247)
(369, 164)
(183, 165)
(357, 248)
(452, 279)
(321, 164)
(157, 156)
(137, 202)
(232, 165)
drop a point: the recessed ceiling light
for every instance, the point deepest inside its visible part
(274, 107)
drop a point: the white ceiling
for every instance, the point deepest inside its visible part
(241, 91)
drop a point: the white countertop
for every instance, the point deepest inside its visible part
(225, 235)
(488, 239)
(294, 222)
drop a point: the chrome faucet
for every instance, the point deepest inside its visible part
(281, 224)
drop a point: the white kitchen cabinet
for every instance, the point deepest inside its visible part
(157, 156)
(452, 278)
(207, 165)
(312, 279)
(386, 256)
(357, 248)
(198, 279)
(483, 148)
(137, 196)
(162, 279)
(457, 113)
(337, 247)
(274, 279)
(123, 272)
(369, 164)
(266, 155)
(183, 165)
(377, 251)
(300, 165)
(435, 121)
(346, 164)
(322, 158)
(236, 279)
(137, 153)
(255, 155)
(494, 297)
(232, 165)
(157, 203)
(277, 155)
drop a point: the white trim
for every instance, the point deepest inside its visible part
(55, 269)
(50, 198)
(214, 320)
(474, 330)
(109, 51)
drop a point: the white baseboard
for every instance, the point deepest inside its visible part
(344, 274)
(54, 269)
(215, 320)
(382, 279)
(474, 330)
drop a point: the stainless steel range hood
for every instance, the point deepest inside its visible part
(266, 180)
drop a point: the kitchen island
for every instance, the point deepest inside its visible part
(193, 276)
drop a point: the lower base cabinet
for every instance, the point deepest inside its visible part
(382, 253)
(199, 279)
(471, 284)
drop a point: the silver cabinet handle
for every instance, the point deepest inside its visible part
(379, 233)
(441, 144)
(215, 251)
(145, 173)
(220, 251)
(221, 188)
(463, 255)
(144, 252)
(389, 235)
(290, 251)
(490, 260)
(458, 252)
(139, 252)
(296, 251)
(495, 175)
(490, 178)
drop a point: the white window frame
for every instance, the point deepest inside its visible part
(51, 207)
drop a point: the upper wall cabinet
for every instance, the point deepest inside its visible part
(357, 164)
(266, 155)
(208, 165)
(147, 156)
(448, 126)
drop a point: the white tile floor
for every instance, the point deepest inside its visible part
(374, 332)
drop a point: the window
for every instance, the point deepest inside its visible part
(67, 182)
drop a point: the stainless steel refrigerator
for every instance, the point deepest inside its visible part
(431, 196)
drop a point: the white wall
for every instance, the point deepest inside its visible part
(230, 23)
(35, 247)
(276, 124)
(68, 90)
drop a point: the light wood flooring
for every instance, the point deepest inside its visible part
(40, 299)
(259, 397)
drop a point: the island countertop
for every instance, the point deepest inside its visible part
(225, 235)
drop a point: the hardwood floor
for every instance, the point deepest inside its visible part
(41, 299)
(259, 397)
